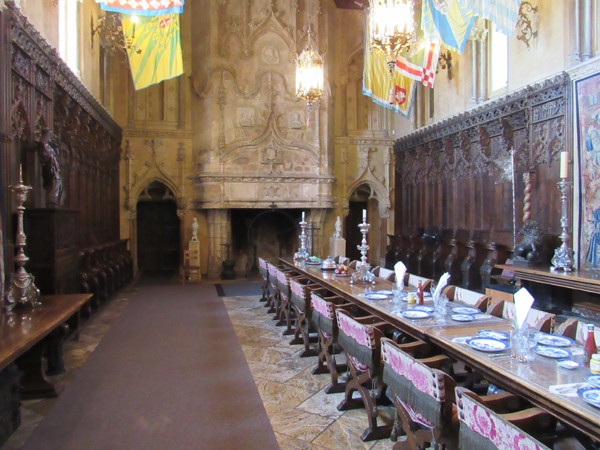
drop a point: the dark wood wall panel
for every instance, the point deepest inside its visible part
(50, 123)
(456, 174)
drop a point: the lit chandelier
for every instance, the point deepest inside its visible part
(309, 73)
(392, 27)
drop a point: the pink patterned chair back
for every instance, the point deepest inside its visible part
(272, 275)
(322, 307)
(483, 429)
(358, 341)
(535, 319)
(263, 269)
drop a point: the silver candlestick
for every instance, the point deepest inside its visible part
(563, 255)
(365, 267)
(302, 254)
(22, 290)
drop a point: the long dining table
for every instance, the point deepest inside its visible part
(531, 380)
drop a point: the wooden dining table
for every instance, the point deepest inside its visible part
(531, 380)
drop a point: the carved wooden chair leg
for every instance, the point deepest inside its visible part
(300, 318)
(326, 363)
(288, 315)
(354, 384)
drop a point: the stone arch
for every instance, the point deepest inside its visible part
(381, 194)
(141, 187)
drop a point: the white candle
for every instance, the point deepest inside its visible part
(364, 214)
(302, 216)
(564, 164)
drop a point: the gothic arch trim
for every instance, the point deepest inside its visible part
(381, 194)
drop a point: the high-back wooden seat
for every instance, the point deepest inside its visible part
(413, 281)
(536, 319)
(264, 272)
(482, 428)
(300, 296)
(576, 330)
(470, 298)
(191, 266)
(423, 396)
(361, 340)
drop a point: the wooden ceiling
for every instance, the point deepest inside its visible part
(351, 4)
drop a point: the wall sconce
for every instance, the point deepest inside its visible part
(445, 63)
(110, 33)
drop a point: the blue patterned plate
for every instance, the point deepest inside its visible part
(494, 334)
(553, 340)
(485, 344)
(428, 309)
(590, 395)
(376, 296)
(415, 314)
(593, 379)
(465, 310)
(461, 317)
(552, 352)
(567, 364)
(385, 292)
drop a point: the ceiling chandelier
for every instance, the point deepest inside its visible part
(392, 28)
(309, 73)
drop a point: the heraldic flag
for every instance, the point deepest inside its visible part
(143, 7)
(452, 25)
(159, 40)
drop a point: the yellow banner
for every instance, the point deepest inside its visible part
(155, 49)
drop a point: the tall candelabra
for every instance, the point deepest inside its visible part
(22, 290)
(302, 253)
(563, 255)
(365, 267)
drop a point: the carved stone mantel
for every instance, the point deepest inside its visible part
(221, 191)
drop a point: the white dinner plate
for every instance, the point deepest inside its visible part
(343, 274)
(485, 344)
(385, 292)
(428, 309)
(415, 314)
(376, 296)
(465, 310)
(590, 395)
(593, 379)
(461, 317)
(567, 364)
(494, 334)
(553, 340)
(552, 352)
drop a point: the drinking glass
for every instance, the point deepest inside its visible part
(520, 345)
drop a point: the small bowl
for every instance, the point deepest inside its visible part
(328, 264)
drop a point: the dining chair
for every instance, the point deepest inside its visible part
(576, 330)
(387, 274)
(360, 337)
(536, 319)
(423, 396)
(286, 313)
(482, 427)
(300, 296)
(470, 298)
(273, 300)
(191, 266)
(353, 264)
(323, 316)
(264, 272)
(413, 281)
(341, 260)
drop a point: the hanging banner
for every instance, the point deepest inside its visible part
(452, 24)
(159, 40)
(143, 7)
(504, 13)
(422, 65)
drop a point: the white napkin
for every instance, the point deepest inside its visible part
(400, 270)
(523, 302)
(441, 285)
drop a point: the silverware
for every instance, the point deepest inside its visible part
(499, 355)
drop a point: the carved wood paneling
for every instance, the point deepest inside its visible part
(457, 174)
(67, 142)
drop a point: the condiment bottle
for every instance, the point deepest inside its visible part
(420, 294)
(590, 347)
(595, 364)
(410, 297)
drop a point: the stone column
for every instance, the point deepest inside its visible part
(218, 234)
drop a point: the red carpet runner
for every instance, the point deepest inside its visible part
(169, 375)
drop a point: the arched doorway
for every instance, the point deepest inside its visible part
(158, 226)
(364, 197)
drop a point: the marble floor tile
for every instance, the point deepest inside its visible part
(290, 443)
(295, 423)
(322, 404)
(282, 394)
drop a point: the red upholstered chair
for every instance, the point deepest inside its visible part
(300, 294)
(481, 427)
(423, 396)
(470, 298)
(323, 316)
(286, 314)
(539, 320)
(273, 301)
(361, 340)
(264, 272)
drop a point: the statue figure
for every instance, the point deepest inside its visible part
(528, 249)
(51, 171)
(338, 228)
(194, 228)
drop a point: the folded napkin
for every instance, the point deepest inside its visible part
(441, 285)
(523, 301)
(400, 270)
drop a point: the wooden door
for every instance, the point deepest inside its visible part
(158, 235)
